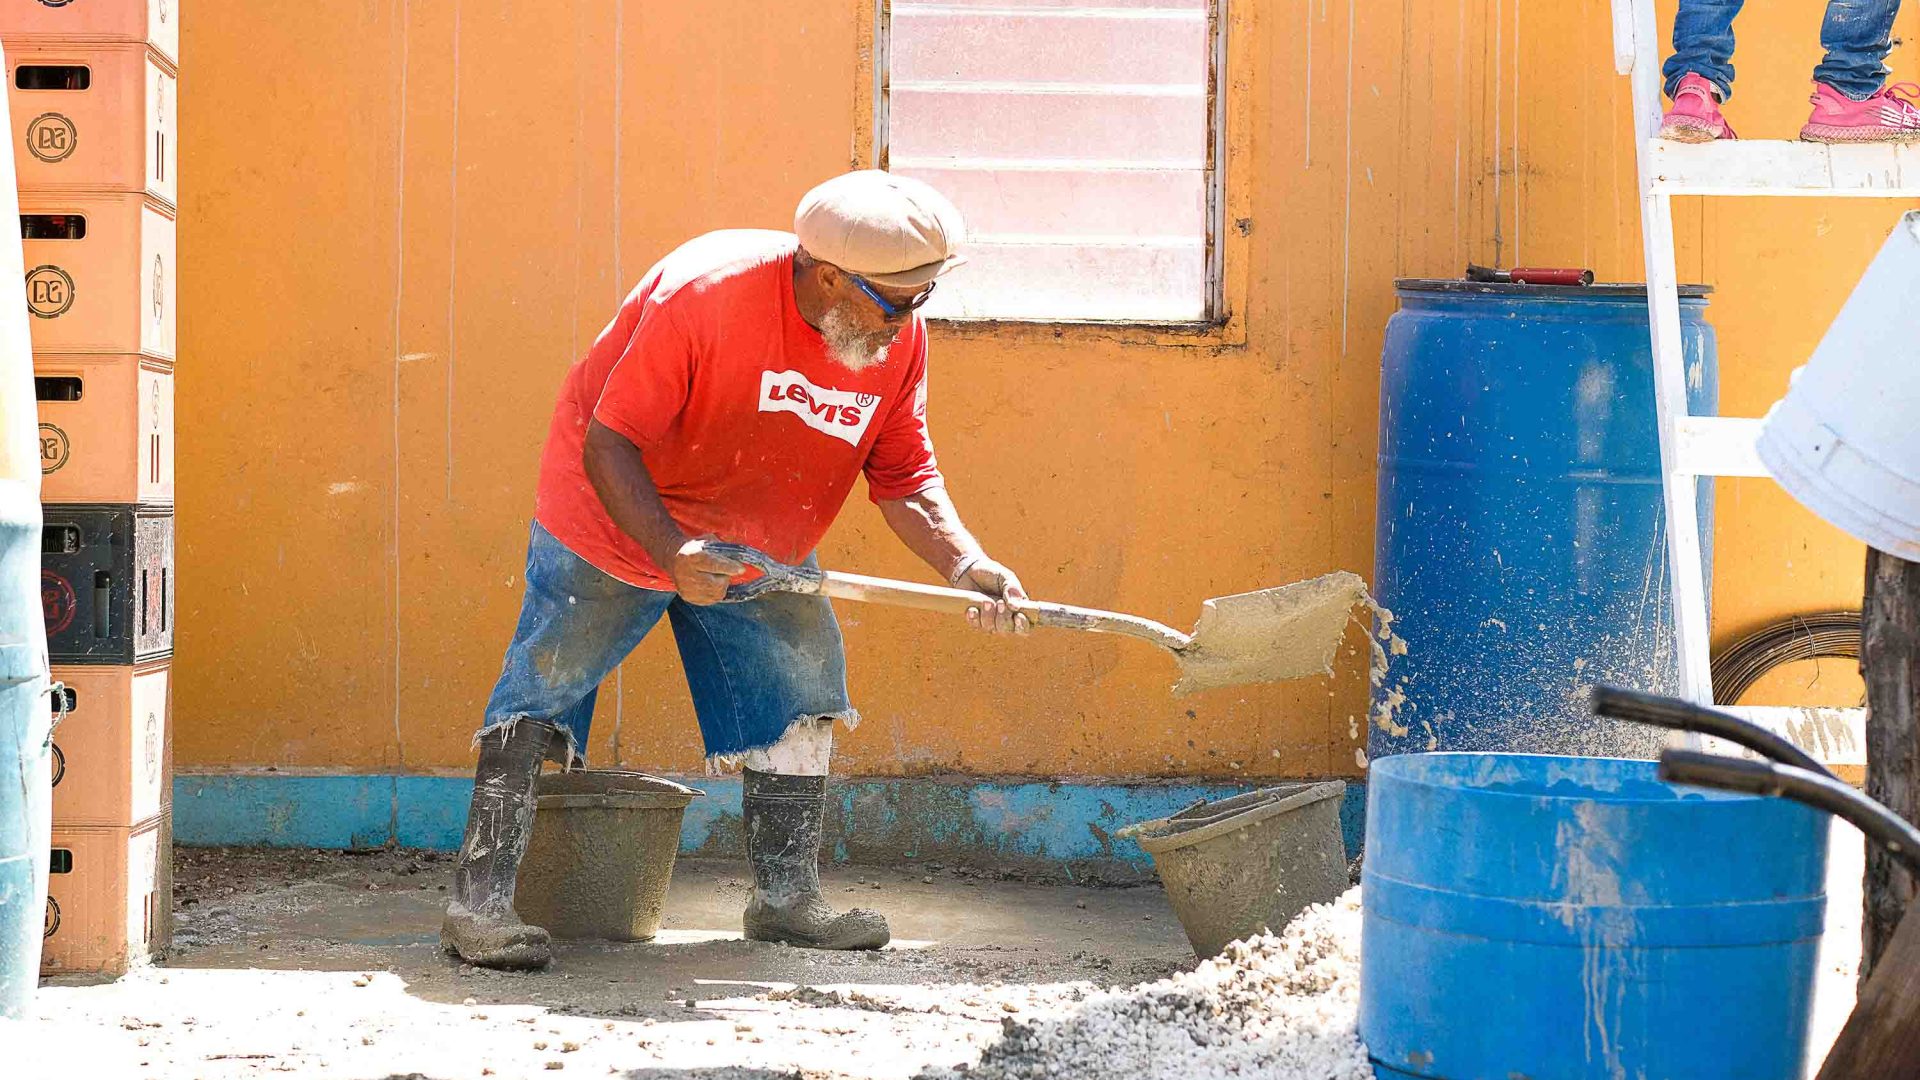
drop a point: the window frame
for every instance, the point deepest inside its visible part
(1227, 193)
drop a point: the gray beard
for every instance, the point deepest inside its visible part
(851, 347)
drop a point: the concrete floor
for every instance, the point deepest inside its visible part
(311, 964)
(328, 964)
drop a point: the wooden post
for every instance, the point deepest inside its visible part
(1890, 663)
(1882, 1037)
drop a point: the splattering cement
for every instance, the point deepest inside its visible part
(1271, 634)
(1388, 698)
(1280, 1007)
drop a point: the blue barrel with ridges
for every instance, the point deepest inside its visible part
(25, 758)
(1520, 531)
(1562, 918)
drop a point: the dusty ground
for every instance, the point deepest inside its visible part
(328, 964)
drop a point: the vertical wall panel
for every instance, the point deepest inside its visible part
(401, 221)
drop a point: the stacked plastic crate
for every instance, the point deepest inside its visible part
(92, 89)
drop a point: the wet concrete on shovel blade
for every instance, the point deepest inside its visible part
(328, 963)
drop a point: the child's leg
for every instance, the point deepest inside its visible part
(1703, 43)
(1858, 35)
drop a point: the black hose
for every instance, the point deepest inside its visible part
(1817, 790)
(1676, 715)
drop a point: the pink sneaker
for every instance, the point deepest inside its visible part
(1888, 116)
(1695, 116)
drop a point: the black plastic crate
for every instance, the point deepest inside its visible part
(106, 583)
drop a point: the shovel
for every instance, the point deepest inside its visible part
(1255, 637)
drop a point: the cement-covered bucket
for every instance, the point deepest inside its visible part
(1234, 867)
(602, 854)
(1843, 441)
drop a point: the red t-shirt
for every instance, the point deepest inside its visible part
(748, 426)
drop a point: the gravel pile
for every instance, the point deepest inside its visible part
(1278, 1007)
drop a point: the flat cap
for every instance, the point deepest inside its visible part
(890, 230)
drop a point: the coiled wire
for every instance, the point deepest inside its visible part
(1816, 635)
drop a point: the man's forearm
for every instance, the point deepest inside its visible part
(930, 526)
(620, 477)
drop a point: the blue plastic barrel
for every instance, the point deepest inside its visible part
(1563, 918)
(1520, 533)
(25, 784)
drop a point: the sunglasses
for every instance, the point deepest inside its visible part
(891, 310)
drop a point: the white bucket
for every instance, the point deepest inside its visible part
(1845, 441)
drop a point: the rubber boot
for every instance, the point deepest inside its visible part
(784, 815)
(481, 926)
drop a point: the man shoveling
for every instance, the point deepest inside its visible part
(744, 385)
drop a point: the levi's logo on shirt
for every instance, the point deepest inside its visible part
(842, 414)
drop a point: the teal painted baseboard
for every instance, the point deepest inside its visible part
(1036, 826)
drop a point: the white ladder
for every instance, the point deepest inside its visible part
(1695, 446)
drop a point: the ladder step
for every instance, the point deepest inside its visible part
(1774, 167)
(1837, 738)
(1720, 446)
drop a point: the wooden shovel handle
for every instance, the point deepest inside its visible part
(911, 594)
(872, 590)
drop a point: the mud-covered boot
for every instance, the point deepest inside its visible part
(784, 815)
(481, 926)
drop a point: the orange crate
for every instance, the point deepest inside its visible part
(100, 273)
(92, 118)
(106, 429)
(111, 754)
(108, 897)
(156, 22)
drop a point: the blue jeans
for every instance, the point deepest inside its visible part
(1857, 34)
(753, 668)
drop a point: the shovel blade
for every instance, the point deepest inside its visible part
(1270, 635)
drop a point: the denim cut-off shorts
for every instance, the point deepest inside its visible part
(753, 667)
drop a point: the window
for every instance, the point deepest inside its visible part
(1081, 142)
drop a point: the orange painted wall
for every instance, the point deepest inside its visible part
(402, 221)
